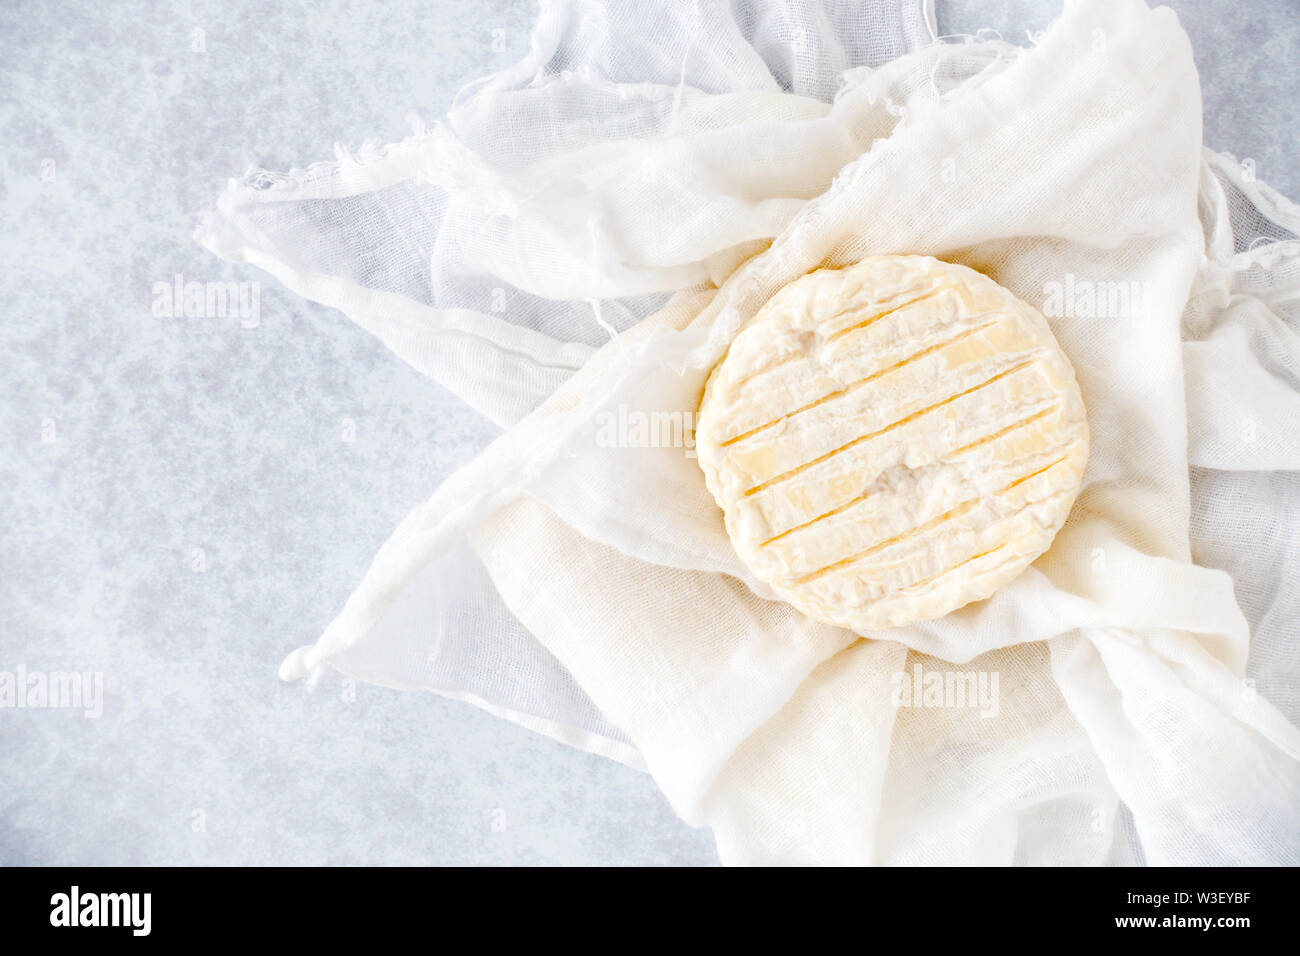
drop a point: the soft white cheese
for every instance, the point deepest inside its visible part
(892, 440)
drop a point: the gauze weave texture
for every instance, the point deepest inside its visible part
(577, 244)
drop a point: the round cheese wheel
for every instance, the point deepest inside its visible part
(891, 441)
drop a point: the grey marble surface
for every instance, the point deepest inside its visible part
(178, 503)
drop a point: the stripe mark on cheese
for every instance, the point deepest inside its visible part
(784, 476)
(866, 380)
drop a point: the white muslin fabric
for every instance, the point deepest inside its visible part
(573, 248)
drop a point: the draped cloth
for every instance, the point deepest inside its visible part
(576, 243)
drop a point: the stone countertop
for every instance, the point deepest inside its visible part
(186, 500)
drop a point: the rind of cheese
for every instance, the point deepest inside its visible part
(891, 441)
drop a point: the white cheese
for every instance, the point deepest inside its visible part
(893, 440)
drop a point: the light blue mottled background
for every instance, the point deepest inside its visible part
(172, 436)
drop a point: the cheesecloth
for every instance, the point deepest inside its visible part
(577, 242)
